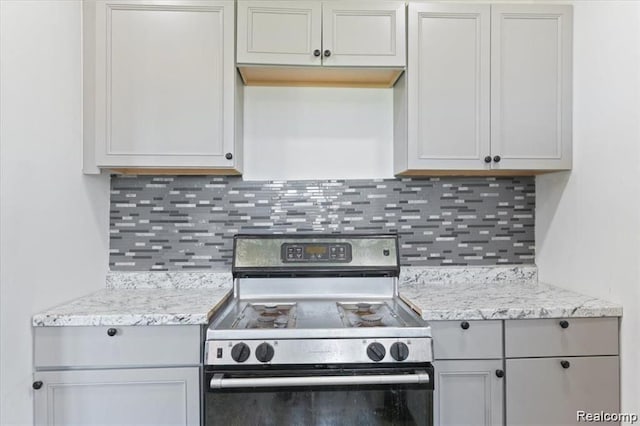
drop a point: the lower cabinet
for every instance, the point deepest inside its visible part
(554, 391)
(558, 368)
(468, 392)
(138, 396)
(117, 376)
(469, 376)
(525, 372)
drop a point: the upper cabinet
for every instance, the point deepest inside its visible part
(283, 32)
(487, 90)
(332, 43)
(531, 86)
(356, 34)
(161, 89)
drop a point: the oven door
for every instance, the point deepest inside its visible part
(338, 396)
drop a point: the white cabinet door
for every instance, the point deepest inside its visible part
(448, 87)
(540, 391)
(531, 90)
(165, 84)
(363, 34)
(157, 396)
(279, 32)
(468, 393)
(488, 88)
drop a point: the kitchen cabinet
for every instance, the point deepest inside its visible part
(556, 367)
(487, 90)
(151, 396)
(285, 32)
(551, 391)
(468, 392)
(332, 43)
(561, 337)
(524, 372)
(161, 92)
(469, 372)
(92, 375)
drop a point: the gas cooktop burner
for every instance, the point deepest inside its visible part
(364, 308)
(267, 315)
(369, 314)
(371, 320)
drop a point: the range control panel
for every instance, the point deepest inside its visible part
(315, 252)
(320, 254)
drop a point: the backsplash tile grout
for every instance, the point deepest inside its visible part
(182, 223)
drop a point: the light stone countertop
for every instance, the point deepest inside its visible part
(439, 293)
(502, 300)
(137, 307)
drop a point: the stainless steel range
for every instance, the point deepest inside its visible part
(316, 334)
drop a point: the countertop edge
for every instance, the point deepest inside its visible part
(50, 318)
(503, 301)
(520, 314)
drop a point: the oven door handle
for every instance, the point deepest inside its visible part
(219, 382)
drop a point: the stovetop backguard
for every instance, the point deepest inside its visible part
(315, 255)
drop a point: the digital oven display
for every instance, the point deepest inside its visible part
(316, 252)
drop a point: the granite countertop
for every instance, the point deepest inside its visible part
(502, 300)
(440, 294)
(142, 306)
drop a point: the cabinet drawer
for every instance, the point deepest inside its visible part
(454, 340)
(130, 346)
(541, 391)
(548, 337)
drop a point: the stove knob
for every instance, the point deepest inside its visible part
(376, 352)
(240, 352)
(399, 351)
(264, 352)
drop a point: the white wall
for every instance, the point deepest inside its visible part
(318, 133)
(588, 221)
(53, 220)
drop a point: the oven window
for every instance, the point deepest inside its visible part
(341, 405)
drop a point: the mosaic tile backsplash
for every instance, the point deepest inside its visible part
(173, 223)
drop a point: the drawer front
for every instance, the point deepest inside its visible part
(541, 391)
(130, 346)
(467, 339)
(548, 337)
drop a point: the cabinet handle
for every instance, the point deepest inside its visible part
(464, 325)
(37, 385)
(500, 373)
(565, 364)
(317, 53)
(564, 324)
(327, 53)
(112, 332)
(228, 156)
(487, 159)
(496, 158)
